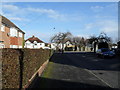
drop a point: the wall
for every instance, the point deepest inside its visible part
(13, 41)
(8, 40)
(18, 65)
(5, 37)
(28, 44)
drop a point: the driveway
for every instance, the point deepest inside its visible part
(79, 70)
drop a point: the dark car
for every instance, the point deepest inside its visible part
(105, 52)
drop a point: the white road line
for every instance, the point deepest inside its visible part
(98, 77)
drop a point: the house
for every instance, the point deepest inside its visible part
(53, 46)
(67, 46)
(10, 35)
(34, 42)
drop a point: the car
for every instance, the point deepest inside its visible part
(114, 49)
(105, 52)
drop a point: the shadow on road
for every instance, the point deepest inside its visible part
(86, 60)
(41, 82)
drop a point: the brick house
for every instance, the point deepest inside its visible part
(10, 35)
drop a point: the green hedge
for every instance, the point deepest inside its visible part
(18, 65)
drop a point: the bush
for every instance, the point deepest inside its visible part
(21, 64)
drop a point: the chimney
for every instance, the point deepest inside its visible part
(33, 36)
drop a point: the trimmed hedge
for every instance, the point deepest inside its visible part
(18, 65)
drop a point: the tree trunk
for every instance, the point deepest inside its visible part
(62, 47)
(95, 47)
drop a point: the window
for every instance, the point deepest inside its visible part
(13, 32)
(3, 28)
(2, 45)
(35, 42)
(20, 34)
(13, 46)
(20, 46)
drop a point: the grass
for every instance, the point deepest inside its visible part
(48, 71)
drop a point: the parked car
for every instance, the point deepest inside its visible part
(118, 51)
(114, 49)
(105, 52)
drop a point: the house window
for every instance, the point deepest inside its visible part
(20, 34)
(1, 41)
(35, 42)
(2, 45)
(20, 46)
(13, 32)
(13, 46)
(3, 28)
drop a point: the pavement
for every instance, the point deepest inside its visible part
(79, 70)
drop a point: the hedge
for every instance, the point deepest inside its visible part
(18, 65)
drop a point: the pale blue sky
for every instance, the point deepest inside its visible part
(80, 18)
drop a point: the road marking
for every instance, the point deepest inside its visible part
(98, 77)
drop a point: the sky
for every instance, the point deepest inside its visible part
(82, 19)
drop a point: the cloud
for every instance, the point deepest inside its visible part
(11, 11)
(41, 10)
(10, 7)
(49, 12)
(112, 7)
(89, 26)
(18, 19)
(97, 8)
(84, 35)
(110, 27)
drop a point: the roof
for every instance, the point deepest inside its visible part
(10, 24)
(33, 38)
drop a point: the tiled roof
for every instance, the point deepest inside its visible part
(9, 23)
(33, 38)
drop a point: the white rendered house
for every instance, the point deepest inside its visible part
(34, 42)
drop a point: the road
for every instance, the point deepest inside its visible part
(79, 70)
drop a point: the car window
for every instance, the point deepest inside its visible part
(105, 50)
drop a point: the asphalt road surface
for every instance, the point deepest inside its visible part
(79, 70)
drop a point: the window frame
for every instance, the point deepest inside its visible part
(20, 34)
(13, 32)
(3, 28)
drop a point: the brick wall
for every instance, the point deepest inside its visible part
(8, 40)
(4, 37)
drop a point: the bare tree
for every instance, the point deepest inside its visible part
(93, 40)
(61, 38)
(101, 38)
(104, 38)
(76, 41)
(79, 42)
